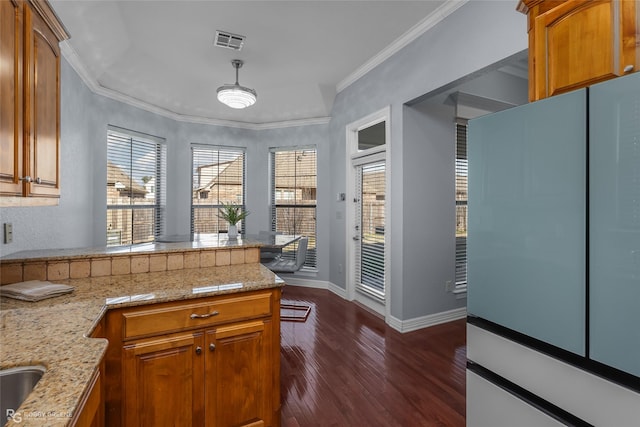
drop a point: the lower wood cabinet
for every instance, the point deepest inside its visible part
(90, 412)
(238, 372)
(222, 369)
(163, 381)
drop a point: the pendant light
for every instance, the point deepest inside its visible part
(234, 95)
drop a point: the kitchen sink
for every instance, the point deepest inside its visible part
(15, 386)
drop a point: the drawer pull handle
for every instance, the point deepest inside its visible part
(204, 316)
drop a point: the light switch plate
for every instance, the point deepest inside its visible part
(8, 232)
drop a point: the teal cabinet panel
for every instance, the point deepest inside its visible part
(614, 223)
(527, 219)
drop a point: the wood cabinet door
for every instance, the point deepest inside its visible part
(11, 161)
(239, 375)
(163, 382)
(42, 112)
(582, 42)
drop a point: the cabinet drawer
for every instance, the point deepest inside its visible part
(162, 320)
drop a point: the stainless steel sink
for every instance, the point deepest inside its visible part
(15, 386)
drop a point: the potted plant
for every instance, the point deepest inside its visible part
(233, 215)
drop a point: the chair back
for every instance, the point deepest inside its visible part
(301, 253)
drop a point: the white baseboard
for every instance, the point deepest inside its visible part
(341, 292)
(317, 284)
(307, 283)
(395, 323)
(427, 321)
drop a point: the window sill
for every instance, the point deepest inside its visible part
(460, 291)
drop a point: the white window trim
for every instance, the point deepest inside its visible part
(352, 154)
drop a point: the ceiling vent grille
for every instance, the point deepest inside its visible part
(229, 40)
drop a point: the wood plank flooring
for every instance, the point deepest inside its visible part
(345, 367)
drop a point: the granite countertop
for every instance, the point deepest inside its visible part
(173, 244)
(54, 332)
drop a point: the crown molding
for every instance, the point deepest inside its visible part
(74, 60)
(416, 31)
(251, 126)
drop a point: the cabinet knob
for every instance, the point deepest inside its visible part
(198, 350)
(212, 347)
(27, 178)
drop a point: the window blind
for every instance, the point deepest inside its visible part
(136, 180)
(462, 173)
(293, 197)
(370, 211)
(218, 177)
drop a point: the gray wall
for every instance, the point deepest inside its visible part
(479, 34)
(429, 210)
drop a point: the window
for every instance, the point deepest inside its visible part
(135, 187)
(293, 197)
(218, 178)
(461, 205)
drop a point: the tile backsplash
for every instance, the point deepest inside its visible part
(61, 268)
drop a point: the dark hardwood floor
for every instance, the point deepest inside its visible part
(345, 367)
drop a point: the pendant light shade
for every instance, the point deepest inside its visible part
(234, 95)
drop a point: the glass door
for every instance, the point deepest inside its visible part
(370, 229)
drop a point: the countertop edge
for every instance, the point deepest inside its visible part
(37, 406)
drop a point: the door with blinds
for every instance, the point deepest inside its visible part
(369, 230)
(367, 212)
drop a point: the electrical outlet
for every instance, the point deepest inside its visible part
(448, 286)
(339, 268)
(8, 232)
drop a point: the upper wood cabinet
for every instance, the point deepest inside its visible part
(30, 102)
(576, 43)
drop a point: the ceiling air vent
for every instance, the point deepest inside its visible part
(229, 40)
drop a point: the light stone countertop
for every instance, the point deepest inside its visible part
(54, 332)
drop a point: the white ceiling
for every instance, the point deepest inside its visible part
(159, 55)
